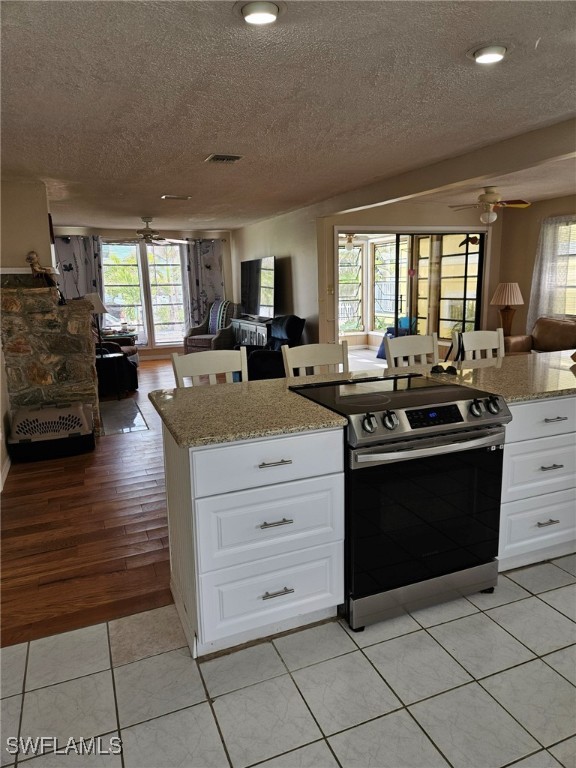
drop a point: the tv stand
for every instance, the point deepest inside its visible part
(251, 331)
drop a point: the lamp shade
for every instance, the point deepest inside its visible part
(507, 294)
(96, 302)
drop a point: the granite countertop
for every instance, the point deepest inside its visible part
(224, 413)
(518, 378)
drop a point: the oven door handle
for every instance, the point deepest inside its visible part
(421, 453)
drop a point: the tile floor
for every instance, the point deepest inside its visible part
(479, 682)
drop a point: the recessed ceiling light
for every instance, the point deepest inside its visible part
(490, 54)
(260, 12)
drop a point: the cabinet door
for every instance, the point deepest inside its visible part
(236, 528)
(237, 599)
(535, 467)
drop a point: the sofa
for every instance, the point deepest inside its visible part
(550, 334)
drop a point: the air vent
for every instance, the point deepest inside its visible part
(223, 158)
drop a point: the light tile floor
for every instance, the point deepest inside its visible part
(482, 682)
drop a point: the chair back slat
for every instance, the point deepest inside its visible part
(210, 366)
(315, 358)
(479, 345)
(410, 351)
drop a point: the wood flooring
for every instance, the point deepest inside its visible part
(84, 539)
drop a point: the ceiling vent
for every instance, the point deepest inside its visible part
(223, 158)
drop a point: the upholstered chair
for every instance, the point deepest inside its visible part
(215, 331)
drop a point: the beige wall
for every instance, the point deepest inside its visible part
(292, 239)
(24, 223)
(519, 243)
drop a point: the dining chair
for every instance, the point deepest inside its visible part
(315, 358)
(409, 351)
(478, 345)
(199, 366)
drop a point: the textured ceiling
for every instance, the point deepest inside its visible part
(114, 103)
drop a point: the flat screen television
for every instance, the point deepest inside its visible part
(257, 287)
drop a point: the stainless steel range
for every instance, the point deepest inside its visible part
(423, 483)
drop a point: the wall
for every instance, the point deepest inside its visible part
(292, 239)
(24, 223)
(519, 243)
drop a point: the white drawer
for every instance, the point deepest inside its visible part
(237, 599)
(541, 418)
(533, 524)
(535, 467)
(235, 528)
(265, 462)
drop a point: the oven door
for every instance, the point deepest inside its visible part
(420, 509)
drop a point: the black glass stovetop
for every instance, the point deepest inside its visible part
(379, 393)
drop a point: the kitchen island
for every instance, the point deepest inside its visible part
(255, 485)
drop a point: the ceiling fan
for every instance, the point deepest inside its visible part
(151, 236)
(489, 202)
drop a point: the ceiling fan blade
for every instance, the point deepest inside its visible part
(513, 204)
(462, 207)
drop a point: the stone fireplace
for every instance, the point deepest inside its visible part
(48, 347)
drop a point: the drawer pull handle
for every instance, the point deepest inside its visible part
(552, 466)
(281, 463)
(556, 418)
(284, 521)
(270, 595)
(548, 522)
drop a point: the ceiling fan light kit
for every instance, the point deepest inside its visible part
(260, 12)
(489, 54)
(489, 215)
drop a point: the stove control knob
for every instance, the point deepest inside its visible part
(369, 423)
(390, 420)
(493, 405)
(476, 407)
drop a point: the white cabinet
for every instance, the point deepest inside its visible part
(256, 535)
(538, 513)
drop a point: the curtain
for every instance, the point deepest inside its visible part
(205, 279)
(78, 260)
(556, 244)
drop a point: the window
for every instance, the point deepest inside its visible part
(350, 304)
(554, 278)
(144, 288)
(423, 283)
(389, 280)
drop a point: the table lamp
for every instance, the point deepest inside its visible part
(98, 309)
(506, 295)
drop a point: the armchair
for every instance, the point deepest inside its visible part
(215, 331)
